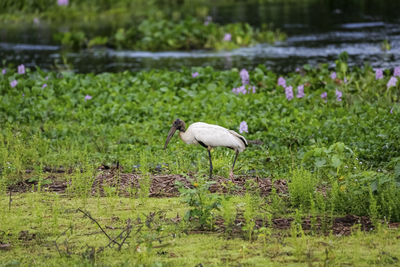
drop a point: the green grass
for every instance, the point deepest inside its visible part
(45, 216)
(336, 158)
(347, 148)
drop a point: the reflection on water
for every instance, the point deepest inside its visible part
(314, 37)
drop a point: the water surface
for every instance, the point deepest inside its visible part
(318, 31)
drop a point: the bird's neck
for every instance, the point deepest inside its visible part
(185, 136)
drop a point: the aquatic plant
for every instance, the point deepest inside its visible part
(13, 83)
(21, 69)
(282, 82)
(289, 92)
(339, 95)
(392, 82)
(243, 128)
(378, 74)
(300, 91)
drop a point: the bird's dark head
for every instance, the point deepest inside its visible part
(179, 125)
(176, 125)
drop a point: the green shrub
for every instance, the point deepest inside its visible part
(302, 185)
(202, 204)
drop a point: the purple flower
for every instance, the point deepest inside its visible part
(23, 94)
(21, 69)
(3, 71)
(324, 95)
(289, 92)
(333, 75)
(239, 90)
(243, 127)
(345, 80)
(44, 85)
(47, 77)
(207, 20)
(338, 95)
(62, 2)
(36, 21)
(195, 74)
(244, 75)
(392, 82)
(244, 89)
(391, 111)
(13, 83)
(282, 82)
(227, 37)
(300, 91)
(88, 97)
(396, 71)
(378, 74)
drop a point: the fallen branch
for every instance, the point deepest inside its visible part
(55, 241)
(101, 228)
(128, 229)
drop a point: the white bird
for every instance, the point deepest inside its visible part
(208, 136)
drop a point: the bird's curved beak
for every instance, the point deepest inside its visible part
(170, 134)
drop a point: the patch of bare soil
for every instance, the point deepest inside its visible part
(340, 226)
(54, 182)
(164, 185)
(161, 185)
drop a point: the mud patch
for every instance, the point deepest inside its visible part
(340, 226)
(160, 185)
(164, 185)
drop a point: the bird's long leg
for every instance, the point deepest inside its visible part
(211, 167)
(234, 161)
(233, 166)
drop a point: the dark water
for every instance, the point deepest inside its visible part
(318, 30)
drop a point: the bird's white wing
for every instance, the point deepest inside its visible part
(214, 135)
(239, 136)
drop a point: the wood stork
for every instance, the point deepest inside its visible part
(208, 136)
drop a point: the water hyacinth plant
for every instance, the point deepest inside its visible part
(338, 95)
(378, 74)
(195, 74)
(282, 82)
(396, 72)
(245, 87)
(244, 75)
(227, 37)
(243, 128)
(240, 90)
(207, 20)
(13, 83)
(392, 82)
(21, 69)
(324, 96)
(300, 91)
(289, 93)
(63, 2)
